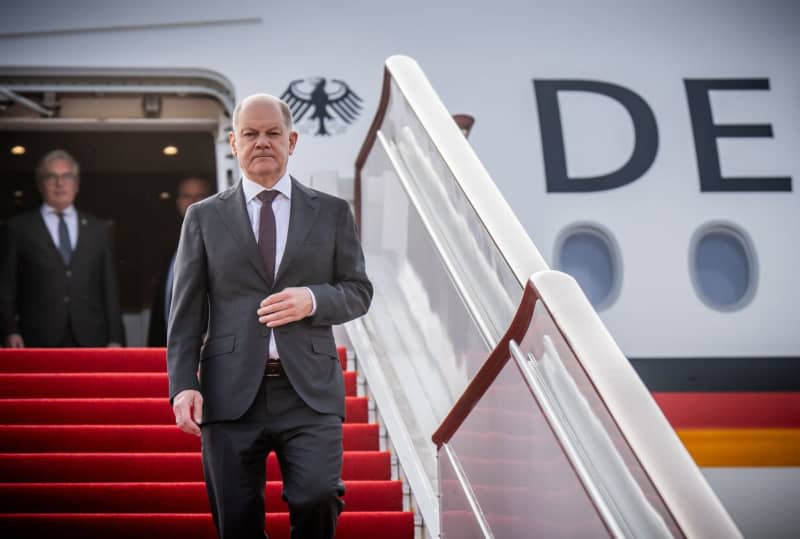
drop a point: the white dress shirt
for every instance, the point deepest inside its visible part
(50, 216)
(282, 208)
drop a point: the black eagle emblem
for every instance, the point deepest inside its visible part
(341, 101)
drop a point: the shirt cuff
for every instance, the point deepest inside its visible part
(313, 301)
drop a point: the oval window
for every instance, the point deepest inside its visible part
(589, 254)
(723, 267)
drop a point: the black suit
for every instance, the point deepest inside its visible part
(54, 302)
(218, 264)
(157, 330)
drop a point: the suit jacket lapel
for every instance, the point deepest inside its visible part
(305, 208)
(80, 246)
(234, 214)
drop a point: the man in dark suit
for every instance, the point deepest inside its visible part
(191, 189)
(276, 263)
(58, 287)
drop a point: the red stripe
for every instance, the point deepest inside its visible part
(773, 409)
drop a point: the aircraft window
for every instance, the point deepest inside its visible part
(589, 253)
(723, 266)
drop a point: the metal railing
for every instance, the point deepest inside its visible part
(450, 261)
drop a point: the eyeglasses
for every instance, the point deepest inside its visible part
(52, 178)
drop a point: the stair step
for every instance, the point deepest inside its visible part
(121, 411)
(138, 467)
(169, 497)
(99, 385)
(95, 359)
(89, 449)
(57, 360)
(136, 438)
(386, 525)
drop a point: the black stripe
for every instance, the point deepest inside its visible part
(719, 373)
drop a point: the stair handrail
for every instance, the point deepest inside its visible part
(508, 234)
(510, 245)
(696, 510)
(487, 374)
(403, 76)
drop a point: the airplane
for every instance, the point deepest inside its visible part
(647, 150)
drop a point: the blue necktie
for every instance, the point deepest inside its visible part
(64, 245)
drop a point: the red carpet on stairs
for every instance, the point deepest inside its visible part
(88, 448)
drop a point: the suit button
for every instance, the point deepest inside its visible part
(265, 331)
(66, 299)
(69, 273)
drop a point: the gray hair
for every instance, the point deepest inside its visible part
(55, 155)
(285, 110)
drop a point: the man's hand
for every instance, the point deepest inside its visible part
(14, 340)
(289, 305)
(188, 409)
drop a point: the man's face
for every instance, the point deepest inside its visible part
(189, 192)
(262, 143)
(59, 185)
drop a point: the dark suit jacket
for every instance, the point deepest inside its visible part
(218, 262)
(47, 295)
(157, 330)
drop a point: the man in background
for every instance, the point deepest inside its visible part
(58, 287)
(191, 189)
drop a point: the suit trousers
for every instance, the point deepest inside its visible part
(308, 445)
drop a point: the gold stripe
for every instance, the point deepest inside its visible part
(742, 447)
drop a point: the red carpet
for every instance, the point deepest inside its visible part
(122, 411)
(175, 466)
(88, 449)
(98, 384)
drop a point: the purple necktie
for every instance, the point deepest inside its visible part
(266, 233)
